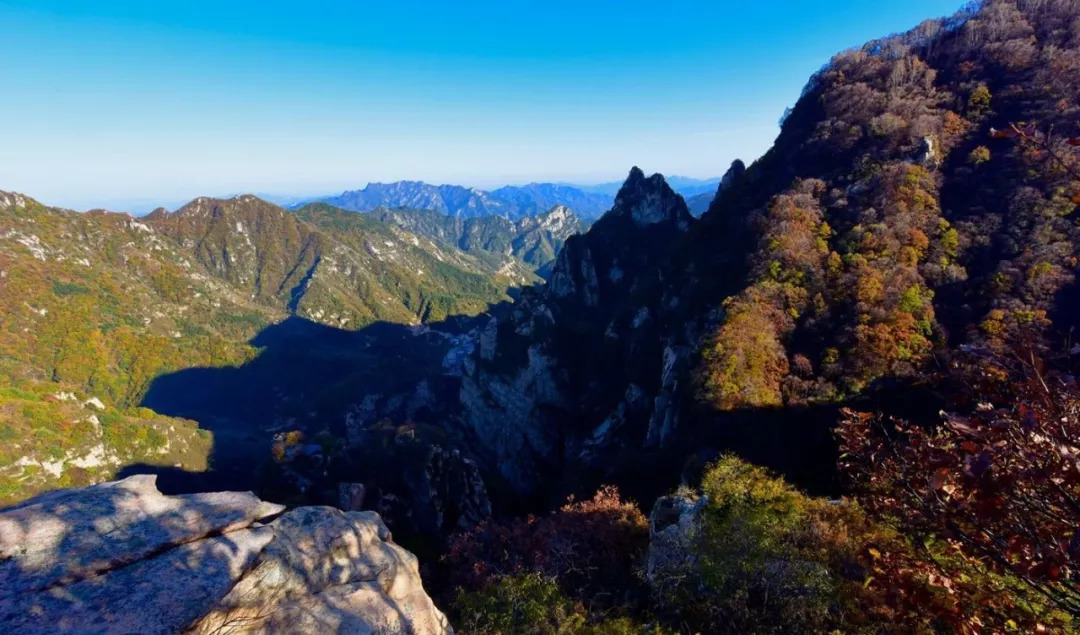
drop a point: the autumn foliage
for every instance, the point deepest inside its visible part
(922, 193)
(991, 492)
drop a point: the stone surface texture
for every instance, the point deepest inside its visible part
(121, 557)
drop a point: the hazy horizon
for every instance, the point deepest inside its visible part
(142, 206)
(123, 104)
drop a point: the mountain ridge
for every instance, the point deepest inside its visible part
(510, 201)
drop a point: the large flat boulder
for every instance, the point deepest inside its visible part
(156, 596)
(123, 558)
(68, 535)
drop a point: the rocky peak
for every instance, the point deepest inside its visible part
(557, 213)
(733, 173)
(650, 201)
(243, 204)
(13, 199)
(605, 281)
(622, 248)
(560, 220)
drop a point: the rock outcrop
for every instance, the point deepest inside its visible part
(121, 557)
(649, 201)
(673, 529)
(447, 493)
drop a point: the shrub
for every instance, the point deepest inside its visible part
(769, 559)
(979, 155)
(528, 603)
(64, 289)
(532, 604)
(591, 548)
(979, 101)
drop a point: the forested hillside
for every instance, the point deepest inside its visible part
(354, 272)
(95, 307)
(922, 194)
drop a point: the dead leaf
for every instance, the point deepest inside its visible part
(939, 478)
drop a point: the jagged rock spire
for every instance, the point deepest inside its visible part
(650, 201)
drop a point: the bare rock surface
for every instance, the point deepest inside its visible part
(68, 535)
(329, 571)
(123, 558)
(159, 595)
(674, 528)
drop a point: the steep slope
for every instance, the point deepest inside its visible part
(94, 306)
(908, 248)
(701, 202)
(340, 274)
(571, 351)
(894, 220)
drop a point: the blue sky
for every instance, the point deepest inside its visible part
(131, 104)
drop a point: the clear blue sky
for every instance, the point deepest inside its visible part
(126, 104)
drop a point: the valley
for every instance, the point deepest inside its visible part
(100, 307)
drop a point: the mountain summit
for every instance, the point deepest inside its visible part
(649, 201)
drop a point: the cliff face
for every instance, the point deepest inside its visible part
(121, 557)
(586, 364)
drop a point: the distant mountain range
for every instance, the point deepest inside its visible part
(513, 202)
